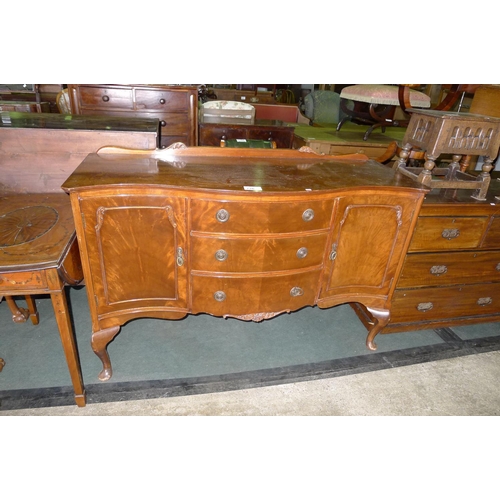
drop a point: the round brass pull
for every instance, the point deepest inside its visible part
(220, 296)
(222, 215)
(302, 253)
(308, 215)
(162, 101)
(105, 98)
(221, 255)
(296, 291)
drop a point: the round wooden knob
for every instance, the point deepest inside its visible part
(105, 98)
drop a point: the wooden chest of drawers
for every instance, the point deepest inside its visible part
(175, 107)
(248, 234)
(451, 273)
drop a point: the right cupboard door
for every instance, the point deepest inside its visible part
(369, 238)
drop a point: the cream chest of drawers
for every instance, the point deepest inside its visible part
(248, 234)
(451, 273)
(175, 107)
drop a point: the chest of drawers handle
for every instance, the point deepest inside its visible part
(450, 234)
(222, 215)
(221, 255)
(425, 306)
(162, 101)
(484, 301)
(308, 215)
(220, 296)
(163, 123)
(105, 98)
(438, 270)
(296, 291)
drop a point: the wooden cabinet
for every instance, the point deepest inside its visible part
(175, 107)
(451, 273)
(211, 134)
(249, 234)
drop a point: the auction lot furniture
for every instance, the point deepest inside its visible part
(38, 247)
(176, 107)
(211, 134)
(451, 273)
(38, 255)
(244, 233)
(458, 134)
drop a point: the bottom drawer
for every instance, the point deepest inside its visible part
(241, 295)
(430, 304)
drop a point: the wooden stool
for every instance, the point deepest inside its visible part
(39, 254)
(458, 134)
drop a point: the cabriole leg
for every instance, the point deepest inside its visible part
(100, 341)
(381, 317)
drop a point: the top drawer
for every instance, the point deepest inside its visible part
(106, 98)
(448, 233)
(161, 100)
(260, 218)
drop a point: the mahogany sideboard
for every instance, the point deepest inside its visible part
(451, 273)
(249, 234)
(176, 107)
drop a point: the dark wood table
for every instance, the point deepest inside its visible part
(211, 134)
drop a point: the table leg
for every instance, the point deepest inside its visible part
(60, 305)
(2, 364)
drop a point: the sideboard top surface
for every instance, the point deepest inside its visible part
(266, 174)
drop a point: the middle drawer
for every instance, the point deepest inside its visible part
(250, 255)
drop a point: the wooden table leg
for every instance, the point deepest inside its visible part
(2, 364)
(60, 305)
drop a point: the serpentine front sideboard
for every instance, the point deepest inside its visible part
(249, 234)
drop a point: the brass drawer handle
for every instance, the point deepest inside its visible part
(105, 98)
(302, 253)
(425, 306)
(222, 215)
(450, 234)
(296, 291)
(308, 215)
(220, 296)
(484, 301)
(438, 270)
(221, 255)
(180, 257)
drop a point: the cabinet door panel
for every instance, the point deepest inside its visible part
(368, 237)
(133, 244)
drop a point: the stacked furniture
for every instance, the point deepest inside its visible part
(176, 107)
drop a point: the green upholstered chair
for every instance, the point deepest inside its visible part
(322, 107)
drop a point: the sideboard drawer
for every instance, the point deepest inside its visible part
(106, 98)
(443, 268)
(257, 254)
(448, 233)
(173, 123)
(445, 303)
(236, 295)
(161, 100)
(260, 218)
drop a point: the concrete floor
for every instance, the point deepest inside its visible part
(463, 386)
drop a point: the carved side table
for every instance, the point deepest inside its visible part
(458, 134)
(38, 255)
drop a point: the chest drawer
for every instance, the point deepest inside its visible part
(161, 100)
(443, 268)
(492, 238)
(106, 98)
(260, 218)
(236, 295)
(252, 255)
(22, 280)
(428, 304)
(448, 233)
